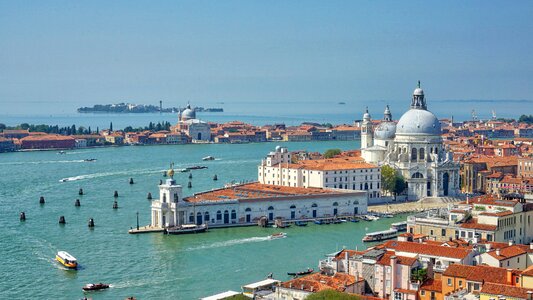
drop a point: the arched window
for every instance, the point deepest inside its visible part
(335, 204)
(164, 198)
(422, 154)
(413, 154)
(233, 214)
(248, 209)
(175, 197)
(417, 175)
(293, 206)
(270, 208)
(356, 202)
(219, 215)
(191, 218)
(366, 186)
(314, 205)
(436, 150)
(206, 217)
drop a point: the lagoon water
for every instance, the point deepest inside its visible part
(147, 266)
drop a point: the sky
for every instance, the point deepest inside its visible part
(56, 56)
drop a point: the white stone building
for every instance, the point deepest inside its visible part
(414, 147)
(197, 130)
(247, 203)
(348, 173)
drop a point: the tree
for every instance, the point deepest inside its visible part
(332, 153)
(392, 181)
(111, 126)
(2, 126)
(419, 275)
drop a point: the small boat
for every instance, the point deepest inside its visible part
(300, 223)
(61, 152)
(182, 170)
(387, 215)
(208, 158)
(279, 235)
(318, 222)
(308, 271)
(380, 235)
(354, 220)
(95, 286)
(337, 221)
(90, 159)
(67, 260)
(283, 225)
(370, 218)
(400, 226)
(64, 180)
(196, 167)
(342, 103)
(186, 229)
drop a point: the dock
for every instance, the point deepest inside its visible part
(145, 229)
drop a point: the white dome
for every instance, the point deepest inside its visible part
(385, 131)
(188, 113)
(418, 92)
(418, 122)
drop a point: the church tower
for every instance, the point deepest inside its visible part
(367, 132)
(165, 209)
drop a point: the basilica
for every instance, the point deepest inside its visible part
(413, 147)
(197, 130)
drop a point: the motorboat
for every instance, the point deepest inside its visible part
(354, 220)
(90, 159)
(400, 226)
(380, 235)
(95, 286)
(208, 158)
(308, 271)
(387, 215)
(370, 218)
(300, 223)
(67, 260)
(186, 229)
(318, 222)
(61, 152)
(196, 167)
(279, 235)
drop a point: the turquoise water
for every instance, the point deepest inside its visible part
(147, 266)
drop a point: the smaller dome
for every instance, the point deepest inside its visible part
(418, 92)
(385, 131)
(366, 115)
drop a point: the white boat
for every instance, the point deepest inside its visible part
(400, 226)
(208, 158)
(279, 235)
(186, 229)
(370, 218)
(380, 235)
(67, 260)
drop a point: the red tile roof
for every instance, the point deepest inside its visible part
(426, 249)
(317, 282)
(507, 252)
(433, 285)
(477, 273)
(505, 290)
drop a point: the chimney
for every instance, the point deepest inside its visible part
(531, 246)
(302, 287)
(498, 251)
(510, 276)
(487, 246)
(290, 285)
(529, 295)
(393, 260)
(510, 242)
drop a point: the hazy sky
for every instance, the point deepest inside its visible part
(58, 55)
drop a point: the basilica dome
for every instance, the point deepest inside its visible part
(188, 113)
(385, 131)
(418, 122)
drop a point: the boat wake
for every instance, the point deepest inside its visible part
(43, 162)
(141, 282)
(105, 174)
(230, 243)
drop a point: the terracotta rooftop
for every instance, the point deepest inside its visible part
(256, 191)
(473, 224)
(426, 249)
(528, 271)
(47, 137)
(317, 282)
(385, 260)
(507, 252)
(477, 273)
(505, 290)
(332, 164)
(433, 285)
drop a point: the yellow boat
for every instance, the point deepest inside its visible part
(66, 260)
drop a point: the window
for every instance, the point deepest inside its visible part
(219, 215)
(431, 232)
(398, 296)
(476, 286)
(422, 292)
(460, 283)
(449, 282)
(443, 232)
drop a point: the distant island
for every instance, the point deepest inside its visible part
(138, 108)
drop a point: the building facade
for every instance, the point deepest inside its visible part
(414, 147)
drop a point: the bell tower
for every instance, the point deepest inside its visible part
(367, 131)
